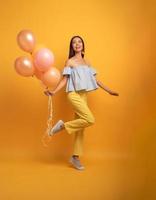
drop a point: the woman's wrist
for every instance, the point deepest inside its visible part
(52, 91)
(109, 91)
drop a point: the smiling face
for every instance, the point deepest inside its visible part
(77, 44)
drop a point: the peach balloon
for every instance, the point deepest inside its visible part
(24, 66)
(51, 78)
(43, 59)
(38, 74)
(26, 40)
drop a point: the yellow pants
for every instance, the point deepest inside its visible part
(83, 119)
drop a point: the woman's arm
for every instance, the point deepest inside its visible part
(61, 84)
(104, 87)
(99, 83)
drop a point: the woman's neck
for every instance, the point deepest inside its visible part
(78, 55)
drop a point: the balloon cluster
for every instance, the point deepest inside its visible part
(39, 63)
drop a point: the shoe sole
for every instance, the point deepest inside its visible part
(82, 168)
(51, 132)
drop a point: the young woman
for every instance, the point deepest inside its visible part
(79, 78)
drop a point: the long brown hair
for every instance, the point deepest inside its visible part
(71, 50)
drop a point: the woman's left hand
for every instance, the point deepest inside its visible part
(114, 93)
(49, 93)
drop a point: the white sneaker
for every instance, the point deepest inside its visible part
(57, 127)
(76, 163)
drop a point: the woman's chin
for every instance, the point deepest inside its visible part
(77, 51)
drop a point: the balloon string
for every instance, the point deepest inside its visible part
(50, 115)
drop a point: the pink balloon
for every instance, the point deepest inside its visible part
(43, 59)
(26, 40)
(51, 77)
(24, 66)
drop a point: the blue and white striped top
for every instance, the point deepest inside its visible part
(80, 77)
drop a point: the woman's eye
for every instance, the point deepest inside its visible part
(79, 41)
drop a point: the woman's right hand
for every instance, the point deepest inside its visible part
(49, 93)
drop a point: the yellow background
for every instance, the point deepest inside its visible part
(119, 150)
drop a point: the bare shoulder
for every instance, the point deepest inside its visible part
(87, 61)
(68, 62)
